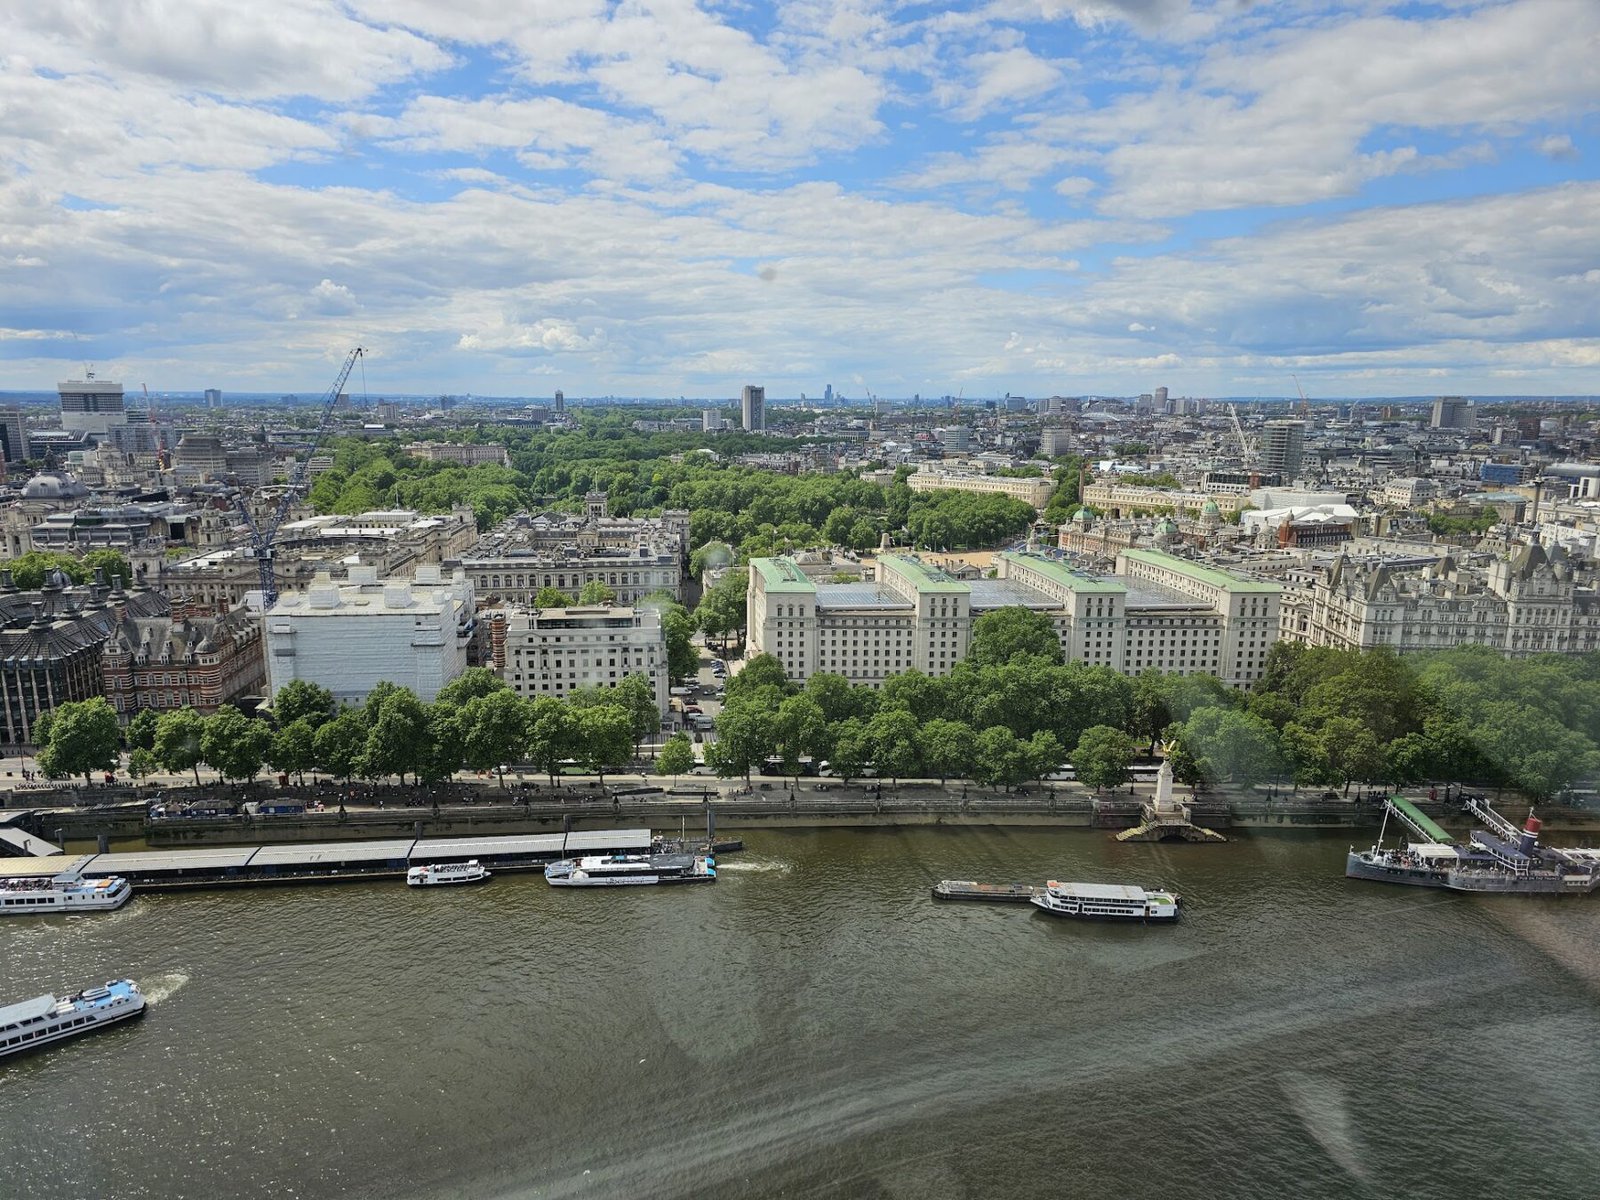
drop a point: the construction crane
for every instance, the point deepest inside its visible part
(1238, 429)
(1305, 405)
(263, 538)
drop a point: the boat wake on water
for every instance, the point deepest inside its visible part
(164, 987)
(752, 866)
(1321, 1106)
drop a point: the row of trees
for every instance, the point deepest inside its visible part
(28, 570)
(755, 511)
(1318, 718)
(477, 724)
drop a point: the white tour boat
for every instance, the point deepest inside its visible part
(441, 873)
(624, 870)
(1106, 902)
(64, 892)
(45, 1019)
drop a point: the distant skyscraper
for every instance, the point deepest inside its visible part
(1453, 412)
(827, 392)
(1283, 445)
(561, 403)
(90, 405)
(213, 398)
(753, 408)
(13, 441)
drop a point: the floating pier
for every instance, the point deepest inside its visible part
(331, 862)
(995, 893)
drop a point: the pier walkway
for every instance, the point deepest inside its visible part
(159, 870)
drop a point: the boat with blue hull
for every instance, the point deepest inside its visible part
(1497, 859)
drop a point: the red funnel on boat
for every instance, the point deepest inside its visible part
(1530, 834)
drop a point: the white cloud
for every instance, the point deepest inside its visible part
(287, 48)
(1556, 145)
(1001, 77)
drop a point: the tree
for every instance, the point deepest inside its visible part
(597, 591)
(760, 672)
(1231, 746)
(676, 757)
(178, 737)
(722, 609)
(340, 743)
(294, 748)
(712, 554)
(550, 733)
(114, 563)
(677, 630)
(838, 698)
(491, 729)
(301, 698)
(852, 748)
(28, 570)
(397, 739)
(948, 748)
(637, 695)
(235, 745)
(141, 731)
(142, 763)
(604, 738)
(892, 734)
(443, 755)
(81, 737)
(800, 731)
(549, 597)
(746, 733)
(471, 684)
(911, 691)
(382, 692)
(1009, 633)
(1001, 759)
(1044, 754)
(1102, 757)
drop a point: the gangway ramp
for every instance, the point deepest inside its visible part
(1425, 826)
(20, 841)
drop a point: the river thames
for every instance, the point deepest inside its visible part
(814, 1025)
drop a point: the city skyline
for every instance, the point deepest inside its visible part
(1383, 199)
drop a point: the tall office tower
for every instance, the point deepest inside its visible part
(1161, 400)
(753, 406)
(90, 405)
(1283, 444)
(213, 398)
(561, 403)
(13, 440)
(1453, 412)
(827, 393)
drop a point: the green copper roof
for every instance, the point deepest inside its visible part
(925, 577)
(1061, 574)
(1211, 575)
(781, 575)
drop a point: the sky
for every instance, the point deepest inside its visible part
(506, 197)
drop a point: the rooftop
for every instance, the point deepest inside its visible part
(926, 577)
(1211, 575)
(781, 575)
(1007, 593)
(859, 595)
(1060, 573)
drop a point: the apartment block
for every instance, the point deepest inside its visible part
(1036, 492)
(549, 652)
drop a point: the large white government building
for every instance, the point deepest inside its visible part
(551, 651)
(1156, 612)
(350, 636)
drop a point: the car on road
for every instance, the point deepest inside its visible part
(691, 708)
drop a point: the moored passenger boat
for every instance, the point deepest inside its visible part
(44, 1019)
(1106, 902)
(625, 870)
(436, 874)
(63, 892)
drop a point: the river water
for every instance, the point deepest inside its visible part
(814, 1025)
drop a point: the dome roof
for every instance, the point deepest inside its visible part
(1210, 509)
(1081, 516)
(53, 485)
